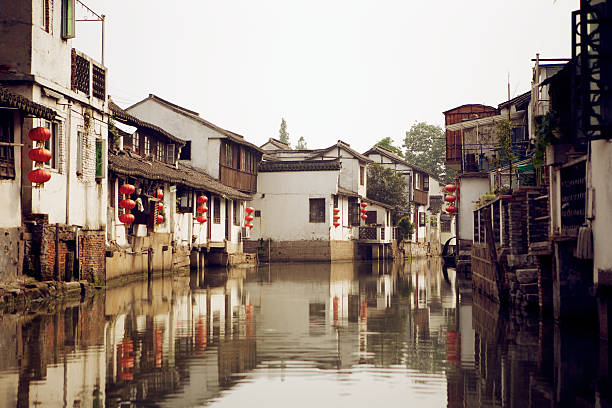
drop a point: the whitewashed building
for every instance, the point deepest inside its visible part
(224, 156)
(62, 89)
(298, 195)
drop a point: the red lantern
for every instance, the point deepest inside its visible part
(202, 200)
(201, 219)
(249, 210)
(40, 155)
(249, 218)
(451, 188)
(336, 224)
(364, 205)
(248, 225)
(202, 209)
(336, 217)
(450, 198)
(126, 218)
(39, 134)
(336, 210)
(451, 209)
(364, 217)
(127, 189)
(160, 194)
(363, 211)
(160, 206)
(128, 204)
(39, 176)
(160, 219)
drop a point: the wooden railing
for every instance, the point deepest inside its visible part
(238, 179)
(420, 197)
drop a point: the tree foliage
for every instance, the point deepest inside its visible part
(387, 186)
(387, 143)
(425, 146)
(505, 155)
(301, 144)
(283, 135)
(406, 227)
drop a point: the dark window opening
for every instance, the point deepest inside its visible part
(361, 175)
(186, 151)
(317, 210)
(217, 210)
(7, 153)
(354, 211)
(236, 212)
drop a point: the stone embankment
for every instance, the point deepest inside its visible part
(20, 294)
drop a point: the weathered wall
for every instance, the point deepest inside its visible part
(471, 188)
(10, 210)
(601, 168)
(11, 253)
(304, 251)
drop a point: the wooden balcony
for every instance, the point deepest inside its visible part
(237, 179)
(375, 234)
(420, 197)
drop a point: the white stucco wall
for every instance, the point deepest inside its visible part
(601, 168)
(285, 205)
(10, 210)
(86, 199)
(204, 152)
(471, 188)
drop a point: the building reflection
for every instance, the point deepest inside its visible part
(186, 340)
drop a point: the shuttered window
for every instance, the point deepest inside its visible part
(68, 19)
(317, 210)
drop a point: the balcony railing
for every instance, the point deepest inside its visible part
(374, 234)
(87, 76)
(420, 197)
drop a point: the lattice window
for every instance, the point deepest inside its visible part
(80, 73)
(99, 82)
(7, 152)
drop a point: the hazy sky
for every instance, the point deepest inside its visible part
(356, 70)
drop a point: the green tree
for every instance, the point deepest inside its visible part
(387, 186)
(387, 143)
(406, 227)
(301, 144)
(283, 135)
(425, 146)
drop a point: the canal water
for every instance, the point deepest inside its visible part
(296, 335)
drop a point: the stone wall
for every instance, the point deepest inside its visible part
(11, 253)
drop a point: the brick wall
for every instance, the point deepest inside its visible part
(92, 255)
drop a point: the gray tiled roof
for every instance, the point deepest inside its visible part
(124, 163)
(12, 100)
(300, 165)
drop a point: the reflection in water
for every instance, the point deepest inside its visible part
(337, 334)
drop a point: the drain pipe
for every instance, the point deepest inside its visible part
(68, 134)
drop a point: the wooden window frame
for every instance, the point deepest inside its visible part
(136, 143)
(160, 151)
(52, 144)
(146, 145)
(316, 213)
(236, 212)
(7, 156)
(216, 210)
(361, 175)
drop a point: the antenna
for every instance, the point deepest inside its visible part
(508, 85)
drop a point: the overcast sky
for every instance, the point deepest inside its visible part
(355, 70)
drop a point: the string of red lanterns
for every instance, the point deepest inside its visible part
(451, 198)
(249, 217)
(364, 215)
(336, 217)
(202, 209)
(39, 155)
(160, 206)
(127, 204)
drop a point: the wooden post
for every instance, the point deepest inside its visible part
(502, 293)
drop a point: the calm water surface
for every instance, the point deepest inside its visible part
(295, 335)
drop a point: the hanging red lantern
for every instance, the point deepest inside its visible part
(201, 219)
(249, 210)
(160, 219)
(160, 206)
(450, 198)
(128, 204)
(336, 210)
(336, 224)
(160, 194)
(39, 134)
(248, 225)
(39, 176)
(451, 188)
(202, 199)
(363, 211)
(202, 209)
(364, 205)
(40, 155)
(249, 218)
(364, 217)
(336, 217)
(127, 189)
(126, 218)
(451, 209)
